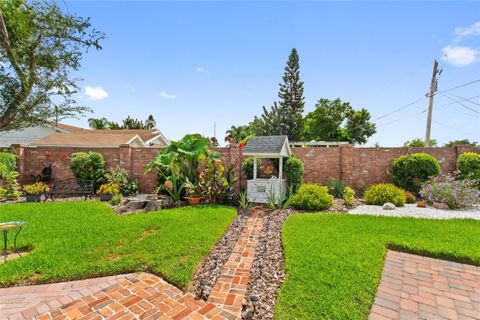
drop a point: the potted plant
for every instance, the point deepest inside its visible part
(193, 197)
(108, 190)
(33, 192)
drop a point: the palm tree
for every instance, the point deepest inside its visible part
(99, 123)
(238, 133)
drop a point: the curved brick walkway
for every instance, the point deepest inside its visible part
(142, 295)
(416, 287)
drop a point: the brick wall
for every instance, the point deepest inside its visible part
(355, 166)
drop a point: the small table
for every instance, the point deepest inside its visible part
(7, 226)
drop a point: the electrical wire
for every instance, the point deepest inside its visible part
(464, 99)
(458, 102)
(456, 129)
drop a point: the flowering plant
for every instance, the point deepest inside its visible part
(447, 189)
(36, 188)
(109, 188)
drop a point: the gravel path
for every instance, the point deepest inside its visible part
(411, 210)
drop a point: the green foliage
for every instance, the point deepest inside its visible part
(334, 262)
(2, 193)
(116, 199)
(247, 167)
(410, 171)
(11, 186)
(243, 201)
(216, 182)
(410, 197)
(469, 165)
(109, 188)
(348, 196)
(419, 143)
(238, 134)
(272, 201)
(284, 118)
(334, 120)
(336, 188)
(88, 166)
(294, 170)
(41, 47)
(127, 124)
(118, 175)
(312, 197)
(36, 188)
(461, 142)
(382, 193)
(85, 239)
(8, 162)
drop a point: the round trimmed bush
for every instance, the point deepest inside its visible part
(311, 197)
(294, 171)
(469, 165)
(411, 170)
(88, 166)
(382, 193)
(348, 196)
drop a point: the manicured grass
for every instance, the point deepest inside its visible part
(333, 262)
(75, 240)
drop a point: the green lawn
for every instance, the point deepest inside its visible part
(75, 240)
(333, 262)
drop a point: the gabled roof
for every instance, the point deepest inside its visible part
(94, 138)
(67, 128)
(268, 146)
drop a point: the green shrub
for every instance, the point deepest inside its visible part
(336, 188)
(410, 171)
(410, 197)
(294, 170)
(2, 194)
(128, 185)
(116, 199)
(312, 197)
(88, 166)
(469, 165)
(348, 196)
(382, 193)
(8, 162)
(11, 186)
(247, 167)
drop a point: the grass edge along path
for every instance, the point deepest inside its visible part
(333, 262)
(78, 240)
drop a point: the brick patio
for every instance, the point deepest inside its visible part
(139, 296)
(416, 287)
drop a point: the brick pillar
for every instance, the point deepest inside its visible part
(126, 158)
(341, 159)
(20, 152)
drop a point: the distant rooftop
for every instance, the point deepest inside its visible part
(267, 146)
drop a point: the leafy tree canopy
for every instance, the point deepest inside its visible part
(463, 141)
(128, 123)
(419, 143)
(39, 47)
(237, 134)
(334, 120)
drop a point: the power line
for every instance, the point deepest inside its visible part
(453, 128)
(458, 102)
(464, 99)
(459, 86)
(450, 103)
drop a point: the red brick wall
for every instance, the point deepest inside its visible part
(355, 166)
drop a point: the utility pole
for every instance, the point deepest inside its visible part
(433, 89)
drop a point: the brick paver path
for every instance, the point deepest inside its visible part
(25, 302)
(146, 296)
(416, 287)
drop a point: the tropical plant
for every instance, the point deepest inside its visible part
(99, 123)
(348, 196)
(336, 188)
(419, 143)
(456, 193)
(272, 201)
(88, 166)
(311, 197)
(237, 134)
(382, 193)
(109, 188)
(39, 47)
(10, 185)
(116, 199)
(216, 182)
(469, 166)
(118, 175)
(36, 188)
(410, 171)
(294, 170)
(243, 201)
(461, 142)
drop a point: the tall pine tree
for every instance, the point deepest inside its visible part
(285, 118)
(291, 99)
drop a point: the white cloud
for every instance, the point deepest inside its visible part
(460, 56)
(473, 30)
(202, 70)
(165, 95)
(96, 93)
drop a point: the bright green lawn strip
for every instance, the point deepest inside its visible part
(75, 240)
(333, 262)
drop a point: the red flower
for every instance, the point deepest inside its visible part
(241, 145)
(48, 154)
(229, 139)
(217, 164)
(213, 139)
(64, 155)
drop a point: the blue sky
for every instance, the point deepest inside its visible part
(193, 64)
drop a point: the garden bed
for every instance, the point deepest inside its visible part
(411, 210)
